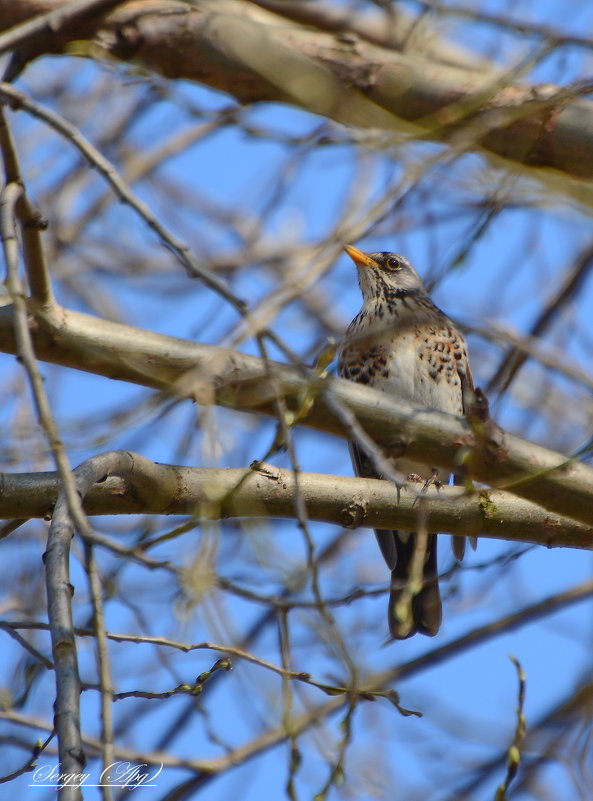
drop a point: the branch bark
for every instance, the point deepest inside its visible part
(137, 485)
(256, 55)
(213, 375)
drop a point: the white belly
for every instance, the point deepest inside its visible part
(413, 379)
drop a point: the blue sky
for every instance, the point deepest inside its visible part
(506, 277)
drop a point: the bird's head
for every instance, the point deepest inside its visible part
(384, 275)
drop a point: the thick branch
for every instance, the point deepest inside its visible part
(45, 19)
(257, 55)
(140, 486)
(59, 612)
(213, 375)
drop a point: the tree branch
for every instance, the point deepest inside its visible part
(49, 18)
(256, 55)
(137, 485)
(31, 222)
(207, 769)
(213, 375)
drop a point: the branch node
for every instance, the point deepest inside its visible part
(353, 515)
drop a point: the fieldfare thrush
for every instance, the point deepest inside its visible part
(402, 344)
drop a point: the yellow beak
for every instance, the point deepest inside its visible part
(359, 258)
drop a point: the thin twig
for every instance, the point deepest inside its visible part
(24, 348)
(513, 359)
(524, 27)
(514, 752)
(31, 222)
(67, 708)
(209, 769)
(103, 666)
(11, 631)
(20, 100)
(300, 508)
(314, 715)
(31, 763)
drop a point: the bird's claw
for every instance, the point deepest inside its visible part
(433, 481)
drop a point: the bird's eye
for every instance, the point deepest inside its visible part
(393, 264)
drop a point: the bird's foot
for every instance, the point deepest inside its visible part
(415, 478)
(433, 481)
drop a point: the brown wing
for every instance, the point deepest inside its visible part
(467, 383)
(467, 397)
(362, 365)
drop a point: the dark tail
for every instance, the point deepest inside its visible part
(420, 612)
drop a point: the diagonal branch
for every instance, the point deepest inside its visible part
(213, 375)
(566, 290)
(256, 55)
(50, 19)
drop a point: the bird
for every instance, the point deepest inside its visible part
(402, 344)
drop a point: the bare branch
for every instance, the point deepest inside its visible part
(59, 612)
(30, 220)
(103, 664)
(385, 679)
(19, 99)
(137, 485)
(566, 290)
(258, 55)
(208, 769)
(51, 18)
(216, 375)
